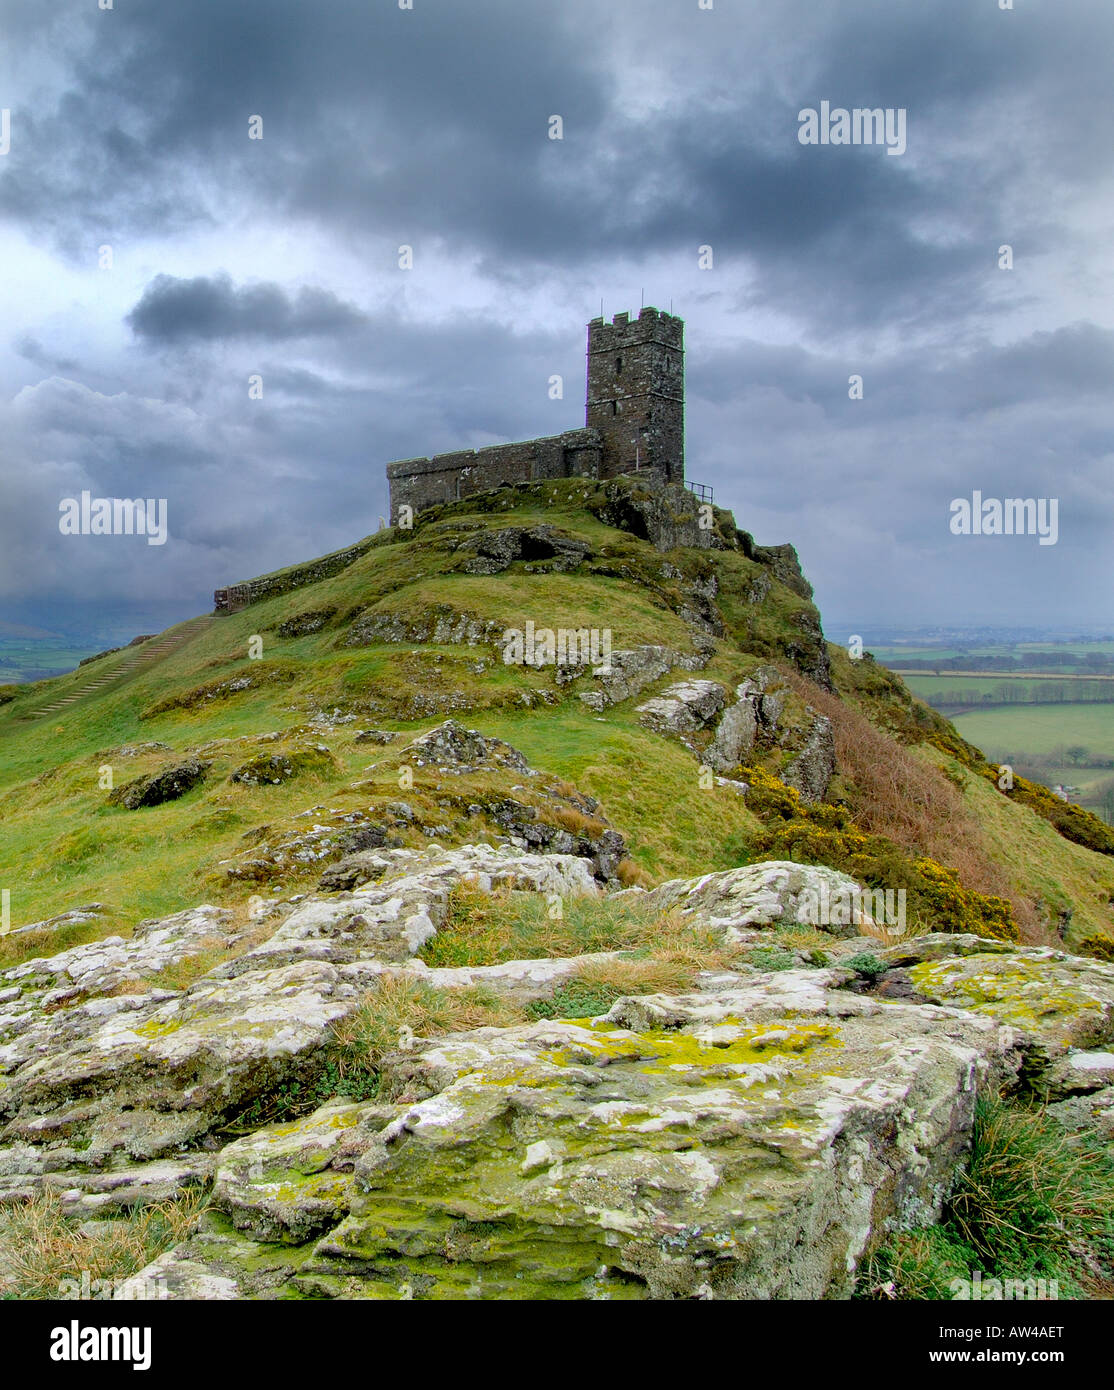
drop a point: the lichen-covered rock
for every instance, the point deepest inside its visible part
(734, 736)
(759, 895)
(812, 770)
(303, 624)
(147, 1071)
(273, 852)
(1078, 1074)
(441, 625)
(666, 515)
(544, 546)
(1055, 1000)
(749, 1142)
(267, 769)
(629, 672)
(683, 707)
(1091, 1115)
(168, 784)
(76, 917)
(456, 749)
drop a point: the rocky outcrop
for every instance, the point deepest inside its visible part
(689, 707)
(168, 784)
(75, 917)
(143, 1072)
(543, 547)
(744, 1141)
(451, 748)
(683, 707)
(752, 1136)
(734, 736)
(813, 768)
(628, 673)
(271, 769)
(757, 895)
(304, 624)
(440, 625)
(668, 516)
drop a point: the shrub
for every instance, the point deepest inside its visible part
(1099, 946)
(936, 900)
(1073, 822)
(865, 963)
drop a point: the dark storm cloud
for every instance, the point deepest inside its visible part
(428, 127)
(206, 308)
(431, 123)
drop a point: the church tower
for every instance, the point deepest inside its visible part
(636, 393)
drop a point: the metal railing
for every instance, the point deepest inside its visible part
(701, 491)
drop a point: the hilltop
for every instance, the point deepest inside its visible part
(329, 857)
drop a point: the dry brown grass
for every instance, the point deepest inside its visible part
(399, 1007)
(631, 876)
(576, 822)
(893, 793)
(662, 972)
(43, 1247)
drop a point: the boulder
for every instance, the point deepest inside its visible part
(168, 784)
(494, 551)
(629, 672)
(683, 707)
(453, 748)
(751, 1141)
(774, 893)
(734, 736)
(813, 768)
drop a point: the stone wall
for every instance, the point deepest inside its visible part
(236, 596)
(425, 482)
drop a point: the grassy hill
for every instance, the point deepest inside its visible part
(406, 635)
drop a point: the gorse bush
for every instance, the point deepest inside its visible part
(1073, 822)
(827, 834)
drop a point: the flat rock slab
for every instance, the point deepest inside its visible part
(745, 1143)
(1054, 1000)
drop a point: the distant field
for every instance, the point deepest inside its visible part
(893, 656)
(1039, 728)
(1079, 648)
(24, 661)
(1031, 719)
(1052, 658)
(1022, 688)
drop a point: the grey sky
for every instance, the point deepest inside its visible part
(279, 257)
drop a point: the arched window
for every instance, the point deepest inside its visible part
(619, 365)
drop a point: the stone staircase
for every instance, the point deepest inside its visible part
(132, 663)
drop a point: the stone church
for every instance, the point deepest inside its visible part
(634, 422)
